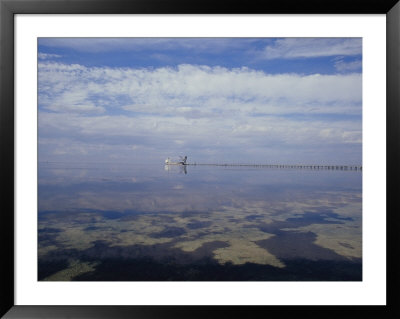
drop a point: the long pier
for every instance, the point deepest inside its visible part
(286, 166)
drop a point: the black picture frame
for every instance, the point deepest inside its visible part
(8, 8)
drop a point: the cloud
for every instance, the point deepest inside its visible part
(342, 66)
(46, 56)
(195, 91)
(163, 134)
(146, 43)
(291, 48)
(207, 112)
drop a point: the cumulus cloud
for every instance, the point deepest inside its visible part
(195, 91)
(206, 111)
(290, 48)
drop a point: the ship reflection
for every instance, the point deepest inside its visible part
(181, 169)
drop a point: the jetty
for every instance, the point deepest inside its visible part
(286, 166)
(183, 161)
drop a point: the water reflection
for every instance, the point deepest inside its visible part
(176, 168)
(138, 222)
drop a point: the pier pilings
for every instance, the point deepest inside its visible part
(286, 166)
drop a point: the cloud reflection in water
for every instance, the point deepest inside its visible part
(198, 223)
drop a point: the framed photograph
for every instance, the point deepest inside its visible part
(160, 155)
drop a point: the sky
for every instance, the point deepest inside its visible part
(215, 100)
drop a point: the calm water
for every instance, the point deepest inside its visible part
(149, 222)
